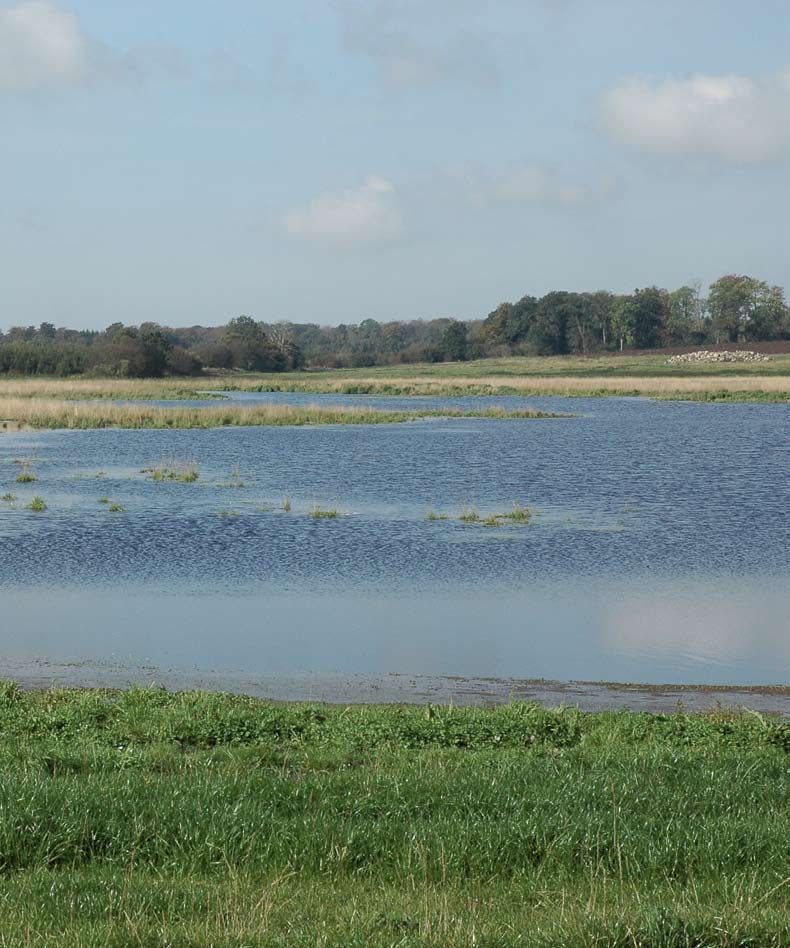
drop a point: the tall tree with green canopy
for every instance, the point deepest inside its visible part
(743, 308)
(455, 341)
(548, 334)
(623, 320)
(683, 316)
(650, 308)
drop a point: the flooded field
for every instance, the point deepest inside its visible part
(655, 549)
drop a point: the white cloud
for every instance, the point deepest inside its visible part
(367, 214)
(733, 118)
(41, 47)
(533, 182)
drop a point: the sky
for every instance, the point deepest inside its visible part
(186, 161)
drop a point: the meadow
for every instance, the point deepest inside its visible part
(145, 817)
(641, 375)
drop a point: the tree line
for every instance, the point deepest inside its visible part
(737, 309)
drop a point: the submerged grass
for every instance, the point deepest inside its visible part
(55, 413)
(143, 818)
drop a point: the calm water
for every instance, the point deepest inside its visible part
(660, 551)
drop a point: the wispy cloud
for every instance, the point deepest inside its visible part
(41, 47)
(367, 214)
(419, 44)
(736, 119)
(44, 48)
(532, 182)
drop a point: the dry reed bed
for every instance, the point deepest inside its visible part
(569, 386)
(56, 413)
(736, 387)
(79, 388)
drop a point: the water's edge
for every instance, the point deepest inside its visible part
(406, 689)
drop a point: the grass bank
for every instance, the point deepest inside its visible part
(646, 375)
(57, 413)
(142, 818)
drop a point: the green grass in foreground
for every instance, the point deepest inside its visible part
(147, 818)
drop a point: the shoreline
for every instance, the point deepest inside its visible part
(405, 689)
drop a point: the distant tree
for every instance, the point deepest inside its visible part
(250, 348)
(455, 342)
(650, 306)
(581, 328)
(182, 362)
(509, 324)
(215, 355)
(683, 315)
(599, 306)
(623, 319)
(548, 334)
(743, 308)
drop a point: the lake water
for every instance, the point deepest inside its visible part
(659, 551)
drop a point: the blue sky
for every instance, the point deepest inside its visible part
(332, 160)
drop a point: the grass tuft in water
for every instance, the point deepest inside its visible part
(518, 514)
(320, 513)
(116, 508)
(433, 516)
(37, 504)
(26, 476)
(469, 515)
(104, 500)
(184, 471)
(9, 498)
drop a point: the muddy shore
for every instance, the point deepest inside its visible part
(405, 689)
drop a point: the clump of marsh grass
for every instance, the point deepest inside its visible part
(518, 514)
(9, 498)
(37, 504)
(104, 500)
(225, 512)
(433, 516)
(25, 476)
(184, 471)
(321, 513)
(469, 515)
(115, 507)
(270, 508)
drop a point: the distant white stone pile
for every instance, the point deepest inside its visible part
(705, 355)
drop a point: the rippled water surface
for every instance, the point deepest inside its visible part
(659, 551)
